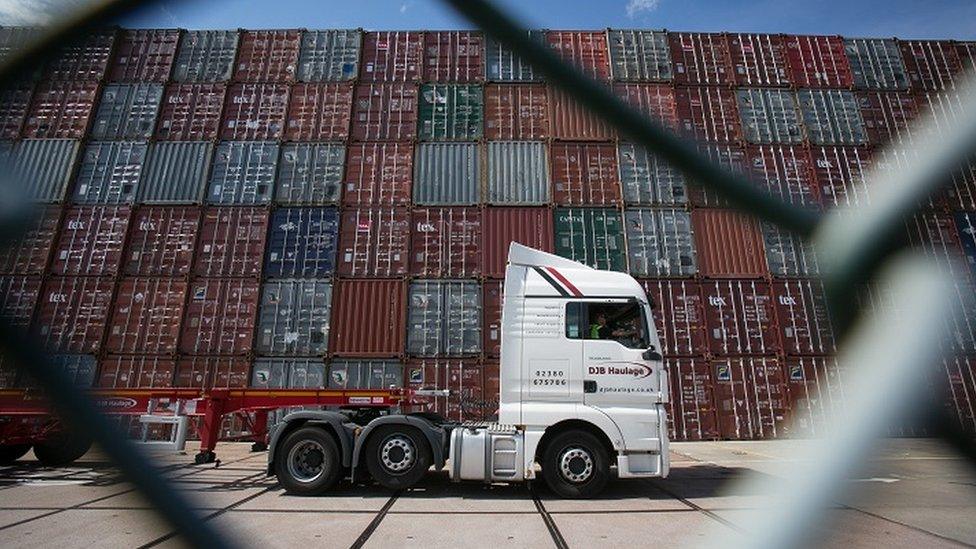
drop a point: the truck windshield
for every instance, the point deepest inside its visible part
(621, 322)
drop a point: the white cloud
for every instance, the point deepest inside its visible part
(403, 7)
(636, 6)
(34, 12)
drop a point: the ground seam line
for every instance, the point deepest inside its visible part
(373, 524)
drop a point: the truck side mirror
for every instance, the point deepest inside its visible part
(652, 355)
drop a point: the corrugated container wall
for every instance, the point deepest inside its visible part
(759, 59)
(679, 316)
(14, 105)
(13, 39)
(639, 55)
(692, 412)
(243, 172)
(876, 64)
(769, 116)
(887, 116)
(302, 243)
(364, 374)
(18, 298)
(385, 112)
(255, 111)
(787, 171)
(516, 111)
(502, 65)
(78, 369)
(447, 174)
(454, 56)
(288, 373)
(585, 174)
(740, 317)
(444, 318)
(293, 318)
(84, 59)
(374, 242)
(121, 372)
(72, 313)
(518, 173)
(176, 172)
(267, 56)
(816, 393)
(660, 243)
(529, 226)
(232, 242)
(787, 254)
(45, 166)
(750, 394)
(592, 236)
(329, 55)
(492, 299)
(571, 121)
(220, 317)
(730, 157)
(61, 109)
(319, 112)
(966, 226)
(144, 55)
(392, 56)
(831, 117)
(701, 58)
(961, 374)
(647, 180)
(205, 56)
(707, 113)
(585, 49)
(110, 172)
(91, 240)
(932, 65)
(818, 62)
(30, 251)
(190, 112)
(378, 174)
(450, 112)
(463, 380)
(146, 316)
(213, 372)
(839, 173)
(368, 318)
(655, 101)
(728, 244)
(161, 241)
(127, 111)
(804, 321)
(445, 242)
(310, 173)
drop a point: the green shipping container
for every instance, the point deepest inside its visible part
(594, 236)
(451, 112)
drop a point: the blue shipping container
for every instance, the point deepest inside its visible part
(302, 243)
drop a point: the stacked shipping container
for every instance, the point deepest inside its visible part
(294, 208)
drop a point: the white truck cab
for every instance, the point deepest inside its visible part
(583, 388)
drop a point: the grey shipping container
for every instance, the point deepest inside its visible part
(243, 172)
(43, 167)
(769, 116)
(110, 172)
(127, 111)
(329, 55)
(176, 172)
(502, 65)
(288, 373)
(787, 254)
(364, 374)
(831, 117)
(205, 56)
(310, 173)
(876, 64)
(444, 318)
(649, 180)
(293, 318)
(447, 174)
(639, 55)
(518, 173)
(592, 236)
(660, 243)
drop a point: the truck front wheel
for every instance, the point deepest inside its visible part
(575, 465)
(307, 462)
(397, 457)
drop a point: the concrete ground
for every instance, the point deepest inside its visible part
(916, 494)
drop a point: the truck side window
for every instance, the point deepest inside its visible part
(574, 316)
(620, 322)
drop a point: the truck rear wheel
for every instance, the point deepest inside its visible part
(397, 456)
(62, 448)
(10, 453)
(575, 465)
(308, 462)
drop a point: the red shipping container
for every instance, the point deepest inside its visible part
(692, 408)
(454, 56)
(729, 157)
(73, 312)
(232, 241)
(759, 59)
(492, 389)
(368, 318)
(729, 244)
(587, 50)
(132, 372)
(464, 379)
(679, 316)
(818, 62)
(162, 241)
(932, 65)
(267, 56)
(529, 226)
(84, 59)
(392, 56)
(319, 112)
(29, 253)
(374, 242)
(385, 112)
(887, 116)
(701, 58)
(378, 174)
(220, 317)
(445, 242)
(787, 171)
(213, 372)
(936, 235)
(751, 397)
(91, 240)
(146, 316)
(816, 394)
(516, 112)
(803, 318)
(572, 121)
(14, 105)
(492, 301)
(707, 114)
(839, 173)
(655, 101)
(144, 55)
(191, 112)
(740, 318)
(255, 111)
(585, 174)
(61, 109)
(961, 379)
(18, 298)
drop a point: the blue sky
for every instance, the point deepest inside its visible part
(901, 18)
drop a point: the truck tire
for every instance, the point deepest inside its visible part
(397, 456)
(308, 462)
(62, 448)
(10, 453)
(575, 465)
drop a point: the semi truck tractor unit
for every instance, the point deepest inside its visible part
(583, 388)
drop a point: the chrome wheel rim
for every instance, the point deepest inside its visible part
(397, 453)
(576, 465)
(306, 461)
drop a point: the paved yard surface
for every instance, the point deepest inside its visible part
(915, 494)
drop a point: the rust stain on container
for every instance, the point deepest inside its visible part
(739, 317)
(216, 372)
(378, 174)
(679, 316)
(587, 50)
(729, 244)
(374, 242)
(318, 112)
(818, 62)
(232, 241)
(392, 56)
(516, 112)
(144, 55)
(707, 113)
(91, 240)
(445, 242)
(131, 372)
(385, 112)
(454, 56)
(267, 56)
(692, 410)
(29, 253)
(162, 240)
(73, 312)
(190, 112)
(585, 174)
(146, 316)
(751, 397)
(61, 109)
(220, 317)
(255, 111)
(368, 318)
(502, 226)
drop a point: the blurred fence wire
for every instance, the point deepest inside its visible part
(889, 354)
